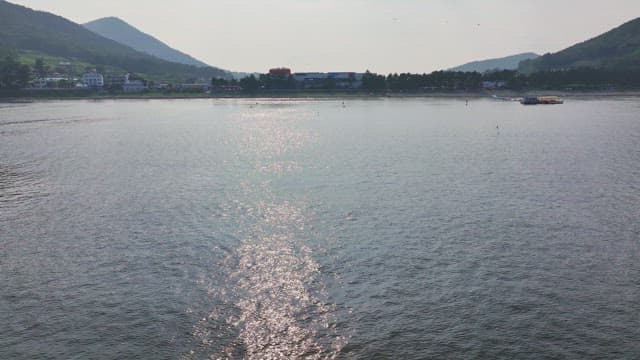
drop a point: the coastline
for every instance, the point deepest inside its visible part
(326, 95)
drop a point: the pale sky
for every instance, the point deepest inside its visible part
(355, 35)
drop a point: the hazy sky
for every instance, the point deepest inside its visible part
(354, 35)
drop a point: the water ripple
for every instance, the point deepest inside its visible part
(19, 186)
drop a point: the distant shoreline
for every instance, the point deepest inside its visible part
(293, 95)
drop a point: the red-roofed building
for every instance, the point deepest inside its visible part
(284, 72)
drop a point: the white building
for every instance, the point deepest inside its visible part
(39, 83)
(490, 85)
(93, 79)
(113, 80)
(49, 82)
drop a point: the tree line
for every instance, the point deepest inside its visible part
(13, 74)
(447, 81)
(574, 79)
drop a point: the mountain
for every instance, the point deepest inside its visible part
(24, 29)
(504, 63)
(618, 49)
(119, 31)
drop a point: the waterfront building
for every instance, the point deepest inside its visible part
(52, 82)
(161, 86)
(93, 79)
(133, 86)
(225, 89)
(491, 85)
(194, 87)
(40, 83)
(339, 80)
(116, 80)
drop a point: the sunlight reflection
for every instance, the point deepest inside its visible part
(274, 301)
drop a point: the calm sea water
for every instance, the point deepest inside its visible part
(264, 229)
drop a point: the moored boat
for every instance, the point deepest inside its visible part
(529, 101)
(550, 100)
(542, 100)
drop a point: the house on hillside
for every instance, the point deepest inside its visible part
(64, 67)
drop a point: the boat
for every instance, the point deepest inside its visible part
(542, 100)
(550, 100)
(529, 101)
(504, 98)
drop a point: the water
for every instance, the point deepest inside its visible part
(304, 229)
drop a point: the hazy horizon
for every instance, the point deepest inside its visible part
(381, 36)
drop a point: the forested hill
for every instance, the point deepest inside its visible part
(618, 49)
(22, 28)
(503, 63)
(120, 31)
